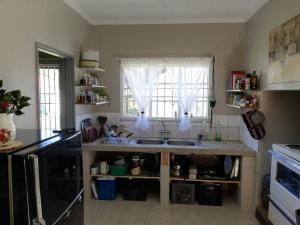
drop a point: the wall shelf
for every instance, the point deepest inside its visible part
(91, 86)
(92, 69)
(239, 107)
(92, 103)
(241, 91)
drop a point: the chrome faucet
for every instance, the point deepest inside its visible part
(164, 132)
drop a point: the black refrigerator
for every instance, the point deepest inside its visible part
(43, 180)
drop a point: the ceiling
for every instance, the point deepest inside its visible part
(100, 12)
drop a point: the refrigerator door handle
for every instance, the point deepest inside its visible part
(38, 220)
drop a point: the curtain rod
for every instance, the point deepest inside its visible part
(167, 57)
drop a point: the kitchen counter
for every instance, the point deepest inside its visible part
(234, 148)
(243, 186)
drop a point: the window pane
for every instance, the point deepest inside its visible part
(49, 99)
(164, 101)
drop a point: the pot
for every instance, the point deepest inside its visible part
(7, 129)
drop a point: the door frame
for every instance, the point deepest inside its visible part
(69, 93)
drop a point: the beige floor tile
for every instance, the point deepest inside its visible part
(120, 212)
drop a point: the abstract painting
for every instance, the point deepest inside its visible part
(284, 52)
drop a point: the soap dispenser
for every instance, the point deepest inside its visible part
(218, 135)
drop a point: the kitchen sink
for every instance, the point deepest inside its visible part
(182, 143)
(149, 142)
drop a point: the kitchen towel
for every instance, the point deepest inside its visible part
(253, 120)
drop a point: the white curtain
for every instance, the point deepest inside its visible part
(141, 76)
(192, 73)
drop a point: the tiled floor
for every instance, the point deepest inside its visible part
(151, 213)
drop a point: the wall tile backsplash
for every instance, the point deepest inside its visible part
(230, 127)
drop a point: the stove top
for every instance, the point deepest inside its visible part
(293, 146)
(291, 150)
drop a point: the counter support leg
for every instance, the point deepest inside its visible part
(165, 178)
(247, 186)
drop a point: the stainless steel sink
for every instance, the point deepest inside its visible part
(182, 143)
(149, 142)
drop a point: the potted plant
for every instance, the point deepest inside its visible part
(11, 102)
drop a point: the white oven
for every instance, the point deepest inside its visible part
(285, 185)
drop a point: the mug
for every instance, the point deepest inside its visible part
(104, 168)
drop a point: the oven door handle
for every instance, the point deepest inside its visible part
(281, 158)
(38, 220)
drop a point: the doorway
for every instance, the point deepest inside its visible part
(56, 105)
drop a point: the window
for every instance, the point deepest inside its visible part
(164, 102)
(49, 96)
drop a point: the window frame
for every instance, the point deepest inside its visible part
(153, 119)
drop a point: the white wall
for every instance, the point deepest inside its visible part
(281, 108)
(22, 22)
(224, 41)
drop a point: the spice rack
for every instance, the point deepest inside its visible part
(242, 92)
(90, 91)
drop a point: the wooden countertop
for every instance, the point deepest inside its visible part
(234, 148)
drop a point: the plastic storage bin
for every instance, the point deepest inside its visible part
(107, 188)
(210, 194)
(183, 193)
(118, 170)
(135, 190)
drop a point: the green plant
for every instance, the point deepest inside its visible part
(101, 92)
(12, 101)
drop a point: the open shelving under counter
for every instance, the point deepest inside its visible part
(205, 180)
(144, 175)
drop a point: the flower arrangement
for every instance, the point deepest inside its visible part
(12, 101)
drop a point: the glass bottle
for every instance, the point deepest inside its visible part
(218, 135)
(254, 81)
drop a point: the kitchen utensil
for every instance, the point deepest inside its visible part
(176, 170)
(95, 169)
(228, 164)
(104, 168)
(102, 120)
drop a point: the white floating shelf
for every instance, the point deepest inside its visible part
(92, 69)
(241, 91)
(92, 103)
(91, 86)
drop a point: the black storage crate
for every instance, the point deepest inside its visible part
(183, 193)
(210, 194)
(135, 190)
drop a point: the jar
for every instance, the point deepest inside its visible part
(82, 97)
(89, 95)
(136, 165)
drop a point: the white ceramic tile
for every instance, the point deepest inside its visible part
(78, 119)
(173, 131)
(194, 132)
(136, 132)
(234, 134)
(156, 131)
(211, 133)
(184, 135)
(147, 133)
(222, 119)
(234, 121)
(225, 132)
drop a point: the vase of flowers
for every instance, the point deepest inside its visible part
(11, 103)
